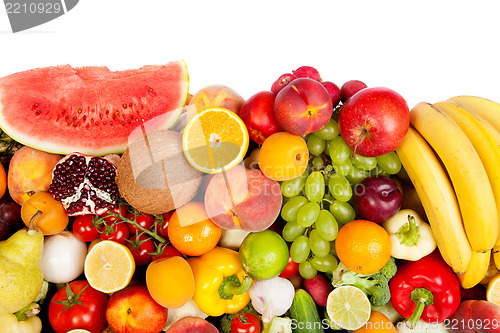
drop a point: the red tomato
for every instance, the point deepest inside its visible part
(168, 251)
(163, 229)
(83, 228)
(120, 210)
(143, 219)
(118, 232)
(141, 248)
(87, 311)
(245, 323)
(291, 269)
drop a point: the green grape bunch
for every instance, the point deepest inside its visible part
(319, 201)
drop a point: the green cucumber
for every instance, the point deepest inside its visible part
(304, 314)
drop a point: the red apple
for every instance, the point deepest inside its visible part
(258, 114)
(374, 121)
(132, 309)
(303, 106)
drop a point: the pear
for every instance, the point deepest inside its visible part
(21, 275)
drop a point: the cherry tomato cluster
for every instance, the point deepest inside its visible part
(144, 234)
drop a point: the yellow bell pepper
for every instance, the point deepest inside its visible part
(221, 285)
(20, 323)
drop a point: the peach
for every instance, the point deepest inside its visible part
(134, 310)
(303, 106)
(217, 96)
(30, 171)
(243, 199)
(475, 317)
(192, 325)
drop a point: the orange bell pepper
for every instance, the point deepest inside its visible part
(221, 285)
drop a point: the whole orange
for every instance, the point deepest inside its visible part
(170, 281)
(363, 246)
(191, 231)
(3, 180)
(378, 323)
(283, 156)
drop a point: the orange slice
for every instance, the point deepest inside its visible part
(493, 290)
(215, 140)
(109, 266)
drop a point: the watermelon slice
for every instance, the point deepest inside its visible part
(90, 110)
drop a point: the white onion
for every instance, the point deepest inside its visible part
(63, 257)
(272, 297)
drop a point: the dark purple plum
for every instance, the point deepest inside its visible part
(377, 198)
(10, 213)
(4, 231)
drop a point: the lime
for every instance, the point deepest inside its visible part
(263, 254)
(348, 307)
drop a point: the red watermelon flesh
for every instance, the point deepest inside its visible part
(90, 110)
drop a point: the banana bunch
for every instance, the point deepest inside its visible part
(452, 155)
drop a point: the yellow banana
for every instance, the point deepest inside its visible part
(476, 271)
(438, 199)
(488, 109)
(466, 171)
(486, 140)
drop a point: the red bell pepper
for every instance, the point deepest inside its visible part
(427, 289)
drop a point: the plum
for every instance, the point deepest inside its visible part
(333, 90)
(377, 198)
(309, 72)
(192, 325)
(282, 82)
(349, 88)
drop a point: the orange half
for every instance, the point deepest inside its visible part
(215, 140)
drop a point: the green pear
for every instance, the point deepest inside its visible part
(21, 275)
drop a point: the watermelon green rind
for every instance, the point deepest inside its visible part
(90, 110)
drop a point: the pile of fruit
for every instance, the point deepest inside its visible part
(128, 204)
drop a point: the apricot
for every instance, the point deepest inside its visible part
(30, 171)
(283, 156)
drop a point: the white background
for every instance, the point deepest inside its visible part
(425, 50)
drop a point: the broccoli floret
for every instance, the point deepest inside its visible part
(375, 286)
(225, 320)
(389, 269)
